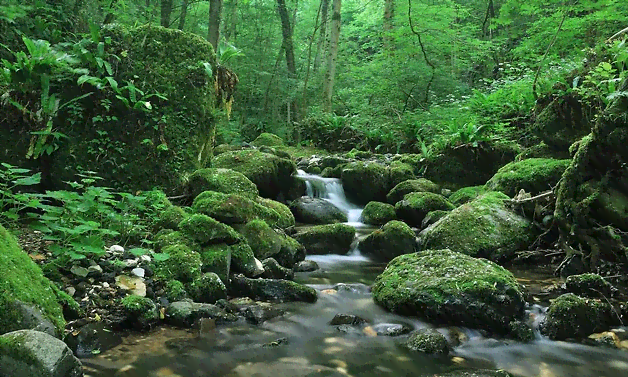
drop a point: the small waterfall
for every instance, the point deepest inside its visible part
(331, 190)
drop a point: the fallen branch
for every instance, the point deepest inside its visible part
(526, 200)
(618, 34)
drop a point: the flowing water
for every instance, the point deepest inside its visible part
(302, 340)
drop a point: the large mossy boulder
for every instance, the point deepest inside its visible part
(326, 239)
(573, 317)
(262, 239)
(316, 211)
(204, 230)
(209, 288)
(484, 227)
(416, 205)
(589, 285)
(291, 252)
(186, 313)
(183, 264)
(27, 299)
(271, 174)
(413, 185)
(267, 140)
(366, 181)
(226, 181)
(533, 175)
(561, 123)
(285, 217)
(400, 172)
(393, 239)
(443, 286)
(466, 194)
(378, 213)
(217, 259)
(271, 290)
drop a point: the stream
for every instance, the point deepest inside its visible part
(303, 343)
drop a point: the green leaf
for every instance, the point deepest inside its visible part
(28, 181)
(139, 251)
(160, 257)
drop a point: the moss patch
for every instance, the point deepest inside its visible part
(412, 185)
(217, 259)
(466, 194)
(366, 181)
(533, 175)
(377, 213)
(393, 239)
(207, 231)
(571, 316)
(327, 239)
(400, 172)
(268, 140)
(264, 241)
(226, 181)
(416, 205)
(236, 209)
(284, 219)
(183, 265)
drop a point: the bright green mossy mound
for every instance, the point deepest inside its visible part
(271, 174)
(400, 172)
(183, 265)
(416, 205)
(243, 260)
(170, 218)
(175, 291)
(483, 228)
(208, 289)
(466, 194)
(168, 237)
(217, 259)
(21, 280)
(393, 239)
(443, 286)
(268, 140)
(285, 217)
(412, 185)
(428, 341)
(377, 213)
(327, 239)
(207, 231)
(140, 310)
(264, 241)
(366, 181)
(533, 175)
(589, 285)
(236, 209)
(226, 181)
(571, 316)
(291, 252)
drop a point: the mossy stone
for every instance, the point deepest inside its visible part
(243, 260)
(400, 172)
(291, 252)
(366, 181)
(284, 217)
(571, 316)
(443, 286)
(207, 231)
(589, 285)
(170, 218)
(168, 237)
(175, 291)
(413, 185)
(273, 270)
(533, 175)
(393, 239)
(466, 194)
(484, 227)
(432, 217)
(378, 213)
(217, 259)
(267, 140)
(316, 211)
(235, 209)
(208, 289)
(264, 241)
(416, 205)
(226, 181)
(271, 290)
(183, 264)
(140, 311)
(561, 123)
(428, 341)
(326, 239)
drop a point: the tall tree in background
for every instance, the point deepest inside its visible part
(166, 11)
(215, 17)
(389, 15)
(330, 75)
(320, 48)
(288, 46)
(183, 14)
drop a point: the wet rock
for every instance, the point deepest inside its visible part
(443, 286)
(353, 288)
(393, 239)
(208, 289)
(291, 252)
(27, 353)
(606, 339)
(391, 329)
(366, 181)
(205, 326)
(92, 338)
(571, 316)
(27, 316)
(316, 211)
(589, 285)
(521, 331)
(428, 341)
(264, 241)
(132, 284)
(273, 270)
(349, 330)
(327, 239)
(79, 271)
(283, 368)
(226, 181)
(377, 213)
(306, 266)
(141, 312)
(416, 205)
(476, 373)
(185, 313)
(257, 313)
(347, 319)
(413, 185)
(271, 290)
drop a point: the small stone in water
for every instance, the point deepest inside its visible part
(138, 272)
(368, 330)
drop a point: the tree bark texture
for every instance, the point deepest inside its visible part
(166, 11)
(215, 17)
(334, 36)
(286, 31)
(389, 15)
(322, 36)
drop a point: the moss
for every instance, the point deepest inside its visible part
(171, 217)
(412, 185)
(11, 345)
(330, 172)
(183, 265)
(432, 217)
(243, 259)
(400, 172)
(366, 181)
(521, 331)
(393, 239)
(175, 291)
(226, 181)
(268, 140)
(291, 252)
(483, 227)
(571, 316)
(428, 341)
(589, 285)
(217, 259)
(533, 175)
(284, 218)
(411, 159)
(71, 308)
(561, 123)
(206, 231)
(327, 239)
(167, 237)
(377, 213)
(416, 205)
(156, 199)
(264, 241)
(23, 281)
(541, 150)
(236, 209)
(466, 194)
(208, 289)
(447, 287)
(271, 174)
(140, 309)
(272, 290)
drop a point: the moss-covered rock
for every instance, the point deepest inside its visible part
(466, 194)
(443, 286)
(22, 285)
(183, 264)
(432, 217)
(175, 291)
(208, 289)
(428, 341)
(217, 259)
(416, 205)
(413, 185)
(140, 311)
(571, 316)
(235, 209)
(366, 181)
(483, 228)
(589, 285)
(271, 174)
(316, 211)
(170, 218)
(533, 175)
(226, 181)
(186, 313)
(393, 239)
(264, 241)
(400, 172)
(267, 140)
(169, 237)
(271, 290)
(521, 331)
(285, 218)
(273, 270)
(326, 239)
(561, 123)
(542, 150)
(207, 231)
(291, 252)
(377, 213)
(243, 260)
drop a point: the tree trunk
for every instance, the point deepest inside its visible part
(320, 48)
(230, 32)
(389, 14)
(286, 31)
(330, 75)
(215, 14)
(184, 13)
(166, 11)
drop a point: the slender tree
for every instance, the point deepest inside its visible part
(286, 31)
(334, 35)
(166, 11)
(215, 17)
(320, 48)
(389, 15)
(183, 14)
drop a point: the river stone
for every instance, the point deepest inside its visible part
(416, 205)
(29, 317)
(377, 213)
(92, 337)
(391, 329)
(316, 211)
(135, 285)
(284, 368)
(273, 270)
(185, 313)
(347, 319)
(306, 266)
(271, 290)
(428, 341)
(264, 241)
(326, 239)
(366, 181)
(413, 185)
(571, 316)
(209, 288)
(393, 239)
(28, 353)
(443, 286)
(589, 285)
(476, 373)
